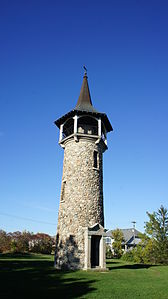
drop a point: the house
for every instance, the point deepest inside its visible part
(131, 238)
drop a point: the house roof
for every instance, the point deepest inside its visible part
(128, 234)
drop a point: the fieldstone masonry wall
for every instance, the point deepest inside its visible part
(81, 202)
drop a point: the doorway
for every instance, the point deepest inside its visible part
(95, 251)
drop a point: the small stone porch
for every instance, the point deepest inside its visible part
(95, 248)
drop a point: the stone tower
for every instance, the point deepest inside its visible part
(80, 239)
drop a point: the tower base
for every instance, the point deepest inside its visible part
(90, 255)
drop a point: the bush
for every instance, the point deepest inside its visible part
(128, 256)
(109, 254)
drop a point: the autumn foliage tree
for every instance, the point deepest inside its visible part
(5, 241)
(41, 243)
(21, 242)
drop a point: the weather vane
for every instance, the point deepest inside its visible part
(85, 69)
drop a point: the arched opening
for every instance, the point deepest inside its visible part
(87, 125)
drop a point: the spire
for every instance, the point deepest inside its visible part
(84, 107)
(84, 101)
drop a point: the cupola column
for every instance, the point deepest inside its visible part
(75, 124)
(99, 127)
(105, 136)
(61, 132)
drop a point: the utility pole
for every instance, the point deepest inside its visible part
(134, 222)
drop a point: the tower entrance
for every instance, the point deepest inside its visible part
(95, 251)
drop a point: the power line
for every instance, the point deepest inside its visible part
(24, 218)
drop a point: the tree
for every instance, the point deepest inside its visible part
(20, 241)
(117, 244)
(157, 229)
(5, 241)
(41, 243)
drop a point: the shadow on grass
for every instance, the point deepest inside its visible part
(112, 262)
(39, 278)
(25, 255)
(111, 266)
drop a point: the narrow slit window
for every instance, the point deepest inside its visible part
(95, 159)
(63, 191)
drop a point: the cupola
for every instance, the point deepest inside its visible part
(84, 120)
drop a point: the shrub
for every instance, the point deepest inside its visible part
(109, 254)
(128, 256)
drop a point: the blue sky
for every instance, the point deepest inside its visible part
(43, 46)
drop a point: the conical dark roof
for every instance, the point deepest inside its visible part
(84, 101)
(84, 107)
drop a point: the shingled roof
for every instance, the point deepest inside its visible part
(128, 234)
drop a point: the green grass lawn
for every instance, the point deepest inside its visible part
(35, 276)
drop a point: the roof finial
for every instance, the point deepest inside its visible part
(85, 74)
